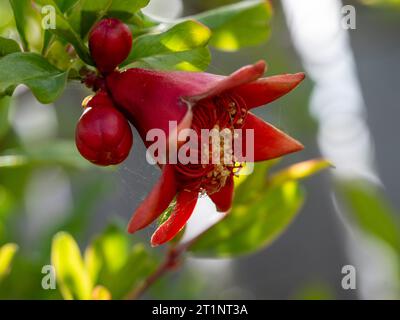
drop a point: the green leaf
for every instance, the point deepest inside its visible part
(4, 110)
(141, 24)
(91, 12)
(6, 203)
(182, 47)
(19, 10)
(193, 60)
(8, 46)
(57, 55)
(6, 16)
(46, 81)
(125, 9)
(7, 253)
(88, 12)
(239, 25)
(384, 3)
(113, 263)
(65, 31)
(66, 5)
(300, 171)
(63, 6)
(260, 213)
(315, 291)
(56, 152)
(73, 279)
(371, 212)
(101, 293)
(108, 251)
(248, 187)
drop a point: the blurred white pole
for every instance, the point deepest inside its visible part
(337, 103)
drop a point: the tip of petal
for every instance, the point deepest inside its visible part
(156, 240)
(133, 227)
(260, 67)
(136, 224)
(185, 204)
(161, 237)
(299, 76)
(291, 145)
(291, 80)
(297, 146)
(244, 75)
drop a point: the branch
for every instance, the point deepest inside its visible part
(171, 262)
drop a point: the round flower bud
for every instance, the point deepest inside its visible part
(103, 135)
(110, 43)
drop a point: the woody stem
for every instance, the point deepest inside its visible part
(171, 262)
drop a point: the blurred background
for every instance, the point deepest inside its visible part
(346, 111)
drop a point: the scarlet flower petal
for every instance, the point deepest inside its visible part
(156, 202)
(269, 142)
(223, 198)
(185, 204)
(269, 89)
(242, 76)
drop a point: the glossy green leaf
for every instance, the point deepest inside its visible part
(182, 47)
(19, 10)
(57, 55)
(260, 213)
(88, 12)
(125, 9)
(112, 262)
(264, 205)
(370, 211)
(252, 226)
(247, 187)
(108, 251)
(66, 5)
(7, 253)
(300, 171)
(46, 81)
(243, 24)
(193, 60)
(91, 12)
(8, 46)
(65, 31)
(73, 279)
(141, 24)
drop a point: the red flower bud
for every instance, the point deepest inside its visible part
(103, 135)
(110, 43)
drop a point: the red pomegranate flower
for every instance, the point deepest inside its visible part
(150, 99)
